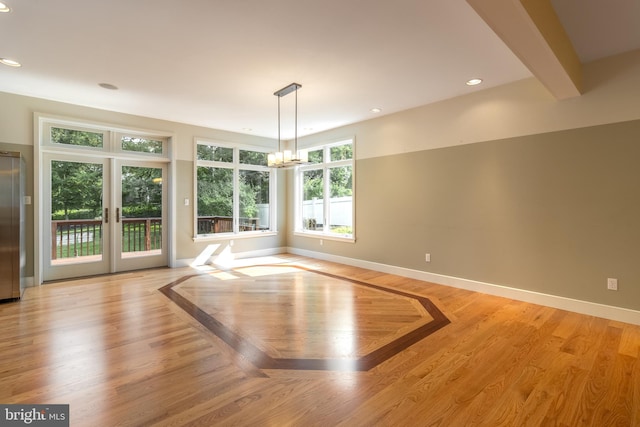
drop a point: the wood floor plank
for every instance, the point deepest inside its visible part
(629, 341)
(121, 353)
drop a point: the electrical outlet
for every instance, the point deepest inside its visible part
(612, 284)
(427, 257)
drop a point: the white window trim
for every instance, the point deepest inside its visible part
(42, 144)
(325, 166)
(236, 166)
(111, 138)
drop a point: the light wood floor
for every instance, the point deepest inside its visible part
(121, 350)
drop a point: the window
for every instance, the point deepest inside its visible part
(78, 138)
(141, 145)
(73, 137)
(325, 190)
(234, 190)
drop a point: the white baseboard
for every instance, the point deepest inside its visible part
(569, 304)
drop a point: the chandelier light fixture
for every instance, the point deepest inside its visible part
(288, 158)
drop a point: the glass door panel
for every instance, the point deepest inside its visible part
(140, 217)
(77, 219)
(103, 216)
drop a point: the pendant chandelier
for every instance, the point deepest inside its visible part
(288, 158)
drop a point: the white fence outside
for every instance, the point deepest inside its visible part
(341, 209)
(263, 214)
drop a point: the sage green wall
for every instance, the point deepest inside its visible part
(553, 213)
(556, 213)
(506, 186)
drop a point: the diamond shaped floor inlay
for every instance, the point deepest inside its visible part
(289, 317)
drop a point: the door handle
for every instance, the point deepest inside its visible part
(117, 214)
(106, 215)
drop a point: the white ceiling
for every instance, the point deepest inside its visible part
(600, 28)
(216, 63)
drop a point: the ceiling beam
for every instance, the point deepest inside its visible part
(533, 32)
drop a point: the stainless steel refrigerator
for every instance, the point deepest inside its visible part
(12, 256)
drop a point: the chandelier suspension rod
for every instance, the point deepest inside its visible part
(287, 158)
(295, 140)
(279, 123)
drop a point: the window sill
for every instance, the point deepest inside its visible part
(322, 236)
(230, 236)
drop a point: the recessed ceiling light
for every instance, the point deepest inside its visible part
(10, 62)
(474, 82)
(108, 86)
(4, 8)
(376, 110)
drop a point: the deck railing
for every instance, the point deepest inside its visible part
(83, 237)
(224, 224)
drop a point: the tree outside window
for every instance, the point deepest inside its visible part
(233, 189)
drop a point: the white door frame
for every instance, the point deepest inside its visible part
(119, 261)
(42, 146)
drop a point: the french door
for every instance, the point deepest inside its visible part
(102, 215)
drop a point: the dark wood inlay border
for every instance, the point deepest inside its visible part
(263, 361)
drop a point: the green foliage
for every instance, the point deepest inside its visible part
(145, 211)
(343, 229)
(76, 187)
(313, 185)
(253, 158)
(254, 190)
(316, 156)
(76, 191)
(341, 152)
(340, 178)
(141, 192)
(76, 137)
(74, 214)
(141, 145)
(214, 154)
(215, 185)
(341, 181)
(215, 191)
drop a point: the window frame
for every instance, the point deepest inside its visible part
(326, 166)
(48, 143)
(117, 142)
(236, 166)
(45, 147)
(111, 140)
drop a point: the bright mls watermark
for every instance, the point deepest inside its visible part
(34, 415)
